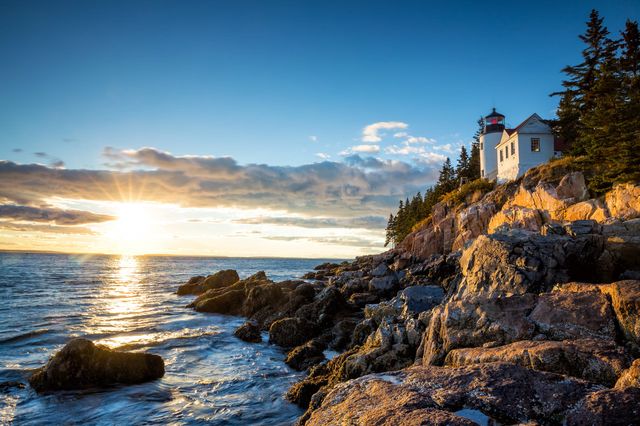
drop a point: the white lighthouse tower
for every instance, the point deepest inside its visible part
(490, 137)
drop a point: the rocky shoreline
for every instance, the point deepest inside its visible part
(517, 306)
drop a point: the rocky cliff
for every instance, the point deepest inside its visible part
(521, 305)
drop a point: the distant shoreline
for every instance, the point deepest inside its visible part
(9, 251)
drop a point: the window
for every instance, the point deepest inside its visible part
(482, 173)
(500, 155)
(506, 152)
(480, 145)
(513, 148)
(535, 144)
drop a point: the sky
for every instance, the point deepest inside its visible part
(255, 128)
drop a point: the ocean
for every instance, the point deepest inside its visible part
(129, 303)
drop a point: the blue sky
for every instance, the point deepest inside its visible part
(255, 79)
(255, 128)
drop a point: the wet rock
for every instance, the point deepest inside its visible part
(595, 360)
(81, 364)
(325, 306)
(342, 333)
(502, 391)
(221, 279)
(304, 356)
(193, 286)
(291, 332)
(268, 296)
(7, 386)
(229, 303)
(630, 377)
(607, 408)
(249, 332)
(360, 300)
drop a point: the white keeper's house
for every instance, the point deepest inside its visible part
(506, 154)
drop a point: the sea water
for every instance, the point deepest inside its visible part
(129, 303)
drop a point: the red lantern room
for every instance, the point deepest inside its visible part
(494, 122)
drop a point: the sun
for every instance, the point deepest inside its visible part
(131, 229)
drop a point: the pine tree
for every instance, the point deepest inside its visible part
(447, 179)
(579, 97)
(463, 166)
(390, 231)
(474, 160)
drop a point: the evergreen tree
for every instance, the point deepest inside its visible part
(474, 160)
(579, 97)
(463, 167)
(447, 178)
(390, 231)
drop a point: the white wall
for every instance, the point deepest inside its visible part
(488, 161)
(515, 166)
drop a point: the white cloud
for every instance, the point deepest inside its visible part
(322, 155)
(313, 138)
(371, 133)
(404, 149)
(445, 148)
(431, 158)
(419, 139)
(400, 135)
(368, 149)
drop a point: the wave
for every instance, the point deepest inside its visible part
(24, 336)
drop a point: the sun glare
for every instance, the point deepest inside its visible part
(132, 228)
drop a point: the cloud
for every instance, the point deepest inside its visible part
(419, 139)
(360, 222)
(51, 214)
(372, 132)
(446, 148)
(400, 135)
(313, 138)
(355, 187)
(40, 154)
(17, 150)
(338, 240)
(368, 149)
(49, 229)
(322, 155)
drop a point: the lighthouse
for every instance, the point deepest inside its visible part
(490, 137)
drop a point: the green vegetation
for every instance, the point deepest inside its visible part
(599, 109)
(414, 211)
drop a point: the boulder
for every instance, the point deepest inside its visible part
(384, 284)
(249, 332)
(518, 262)
(630, 377)
(625, 300)
(623, 201)
(590, 209)
(595, 360)
(221, 279)
(193, 286)
(229, 303)
(476, 322)
(503, 392)
(609, 407)
(291, 332)
(574, 315)
(82, 364)
(304, 356)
